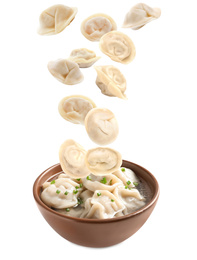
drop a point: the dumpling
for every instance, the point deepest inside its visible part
(75, 108)
(102, 160)
(83, 57)
(55, 19)
(127, 176)
(111, 81)
(139, 15)
(95, 26)
(101, 126)
(60, 193)
(72, 159)
(65, 71)
(102, 205)
(118, 46)
(108, 182)
(131, 198)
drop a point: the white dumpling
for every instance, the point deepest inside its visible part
(102, 205)
(131, 198)
(111, 81)
(139, 15)
(72, 159)
(83, 57)
(65, 71)
(118, 46)
(127, 176)
(55, 19)
(75, 108)
(103, 160)
(108, 182)
(61, 193)
(101, 126)
(95, 26)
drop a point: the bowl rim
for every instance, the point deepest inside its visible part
(144, 208)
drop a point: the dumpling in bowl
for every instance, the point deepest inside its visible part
(95, 26)
(72, 159)
(65, 71)
(55, 19)
(75, 108)
(101, 126)
(140, 15)
(118, 46)
(111, 81)
(83, 57)
(103, 160)
(102, 205)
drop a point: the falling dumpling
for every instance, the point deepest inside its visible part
(118, 46)
(75, 108)
(103, 160)
(95, 26)
(83, 57)
(139, 15)
(65, 71)
(55, 19)
(72, 159)
(101, 126)
(111, 81)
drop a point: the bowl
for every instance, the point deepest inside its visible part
(98, 232)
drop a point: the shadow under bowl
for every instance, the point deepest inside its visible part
(98, 232)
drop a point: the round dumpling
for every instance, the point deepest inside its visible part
(95, 26)
(101, 126)
(139, 15)
(75, 108)
(83, 57)
(72, 159)
(118, 46)
(103, 160)
(55, 19)
(111, 81)
(65, 71)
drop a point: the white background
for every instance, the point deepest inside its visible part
(157, 124)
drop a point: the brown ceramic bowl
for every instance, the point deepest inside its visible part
(94, 232)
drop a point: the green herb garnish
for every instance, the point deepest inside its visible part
(81, 185)
(126, 187)
(75, 191)
(104, 181)
(52, 182)
(128, 182)
(98, 194)
(78, 179)
(123, 169)
(112, 200)
(135, 183)
(77, 187)
(80, 201)
(58, 191)
(88, 178)
(110, 183)
(66, 193)
(67, 209)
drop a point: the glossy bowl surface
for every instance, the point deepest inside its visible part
(94, 232)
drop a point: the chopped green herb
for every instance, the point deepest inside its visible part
(128, 182)
(52, 182)
(126, 187)
(67, 209)
(110, 183)
(77, 187)
(66, 193)
(88, 178)
(123, 169)
(58, 191)
(81, 185)
(78, 179)
(135, 183)
(80, 201)
(112, 200)
(75, 191)
(104, 181)
(98, 194)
